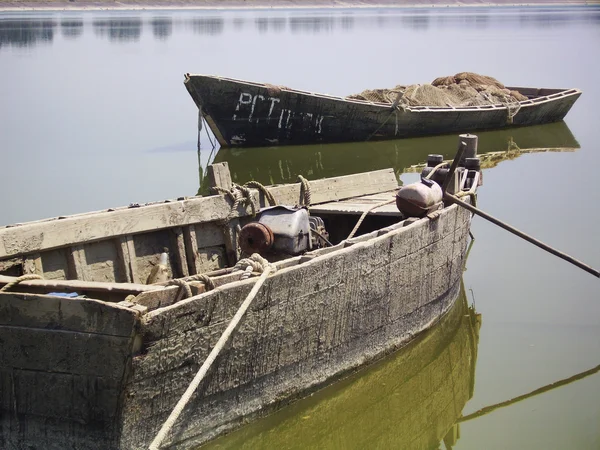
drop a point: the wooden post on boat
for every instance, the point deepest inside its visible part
(470, 143)
(220, 177)
(457, 158)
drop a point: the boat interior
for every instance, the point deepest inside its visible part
(110, 255)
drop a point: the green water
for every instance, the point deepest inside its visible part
(284, 164)
(94, 115)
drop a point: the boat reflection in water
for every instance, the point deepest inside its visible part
(274, 165)
(411, 399)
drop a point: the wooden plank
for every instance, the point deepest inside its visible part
(166, 297)
(219, 176)
(62, 396)
(77, 263)
(127, 257)
(339, 188)
(169, 295)
(78, 285)
(135, 277)
(180, 253)
(38, 236)
(230, 235)
(191, 244)
(356, 208)
(358, 205)
(62, 313)
(32, 264)
(64, 351)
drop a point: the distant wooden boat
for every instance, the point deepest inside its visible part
(92, 357)
(247, 114)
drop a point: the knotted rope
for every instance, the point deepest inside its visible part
(255, 261)
(208, 282)
(19, 279)
(185, 291)
(237, 194)
(304, 191)
(240, 194)
(185, 398)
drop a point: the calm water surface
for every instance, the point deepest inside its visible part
(93, 114)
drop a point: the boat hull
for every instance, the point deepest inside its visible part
(91, 374)
(310, 325)
(244, 114)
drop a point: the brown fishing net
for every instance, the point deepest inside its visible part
(462, 89)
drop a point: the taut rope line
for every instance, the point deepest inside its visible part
(187, 395)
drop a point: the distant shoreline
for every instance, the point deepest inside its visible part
(140, 5)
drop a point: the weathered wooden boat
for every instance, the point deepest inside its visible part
(248, 114)
(92, 357)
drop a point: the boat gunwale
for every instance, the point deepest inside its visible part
(562, 93)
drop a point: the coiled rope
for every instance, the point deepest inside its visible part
(266, 269)
(19, 279)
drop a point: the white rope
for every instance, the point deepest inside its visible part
(435, 169)
(364, 214)
(255, 261)
(187, 395)
(19, 279)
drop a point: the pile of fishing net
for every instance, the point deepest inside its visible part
(462, 89)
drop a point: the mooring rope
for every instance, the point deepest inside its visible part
(512, 109)
(304, 190)
(19, 279)
(435, 169)
(187, 395)
(364, 214)
(238, 194)
(257, 262)
(201, 119)
(261, 188)
(208, 282)
(185, 291)
(394, 111)
(184, 288)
